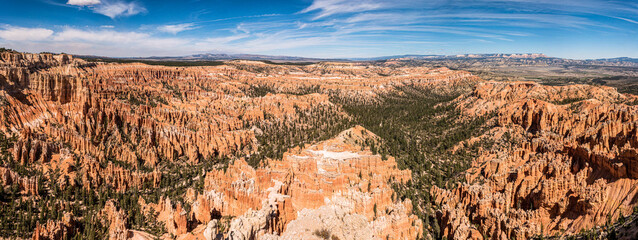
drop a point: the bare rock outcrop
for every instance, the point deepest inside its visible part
(131, 127)
(568, 164)
(117, 222)
(55, 229)
(314, 181)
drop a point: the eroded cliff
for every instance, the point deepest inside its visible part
(250, 150)
(564, 163)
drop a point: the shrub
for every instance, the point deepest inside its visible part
(322, 233)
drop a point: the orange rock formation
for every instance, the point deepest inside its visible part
(120, 125)
(312, 183)
(569, 163)
(565, 160)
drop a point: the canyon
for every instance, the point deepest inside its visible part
(328, 150)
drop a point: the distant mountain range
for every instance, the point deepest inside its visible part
(619, 59)
(257, 57)
(223, 56)
(226, 57)
(461, 56)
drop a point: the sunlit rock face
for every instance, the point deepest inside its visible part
(569, 163)
(332, 185)
(120, 126)
(565, 157)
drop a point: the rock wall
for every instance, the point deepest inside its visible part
(566, 164)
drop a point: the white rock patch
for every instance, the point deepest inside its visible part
(335, 155)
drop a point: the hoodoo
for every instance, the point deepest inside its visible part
(329, 150)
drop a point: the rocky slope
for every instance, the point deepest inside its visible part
(119, 146)
(566, 163)
(250, 150)
(334, 186)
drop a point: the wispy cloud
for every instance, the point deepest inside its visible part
(121, 39)
(626, 20)
(114, 9)
(109, 8)
(220, 41)
(240, 17)
(11, 33)
(176, 28)
(98, 41)
(83, 2)
(386, 17)
(343, 28)
(331, 7)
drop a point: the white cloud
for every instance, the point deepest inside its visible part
(394, 17)
(327, 28)
(218, 41)
(25, 34)
(115, 9)
(83, 2)
(125, 40)
(174, 29)
(627, 20)
(331, 7)
(107, 42)
(109, 8)
(110, 42)
(73, 34)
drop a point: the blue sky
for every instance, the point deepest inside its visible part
(322, 28)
